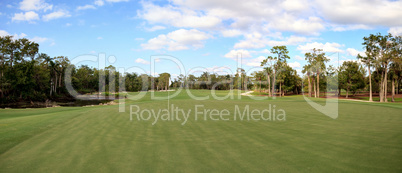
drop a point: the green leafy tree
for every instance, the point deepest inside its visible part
(281, 54)
(351, 76)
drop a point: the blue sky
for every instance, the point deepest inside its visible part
(208, 33)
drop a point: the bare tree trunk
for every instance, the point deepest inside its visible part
(315, 90)
(51, 86)
(371, 91)
(393, 90)
(245, 82)
(60, 80)
(347, 92)
(280, 89)
(309, 86)
(382, 88)
(273, 86)
(269, 86)
(55, 83)
(318, 84)
(385, 85)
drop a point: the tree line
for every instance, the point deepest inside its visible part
(31, 76)
(384, 54)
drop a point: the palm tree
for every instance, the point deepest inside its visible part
(268, 71)
(258, 76)
(306, 69)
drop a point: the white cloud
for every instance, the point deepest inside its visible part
(395, 30)
(301, 17)
(99, 3)
(68, 24)
(177, 40)
(265, 51)
(257, 40)
(3, 33)
(85, 7)
(256, 62)
(253, 40)
(327, 47)
(294, 64)
(292, 40)
(39, 39)
(231, 33)
(142, 61)
(243, 16)
(233, 54)
(309, 26)
(23, 35)
(350, 27)
(28, 5)
(16, 36)
(99, 38)
(29, 16)
(372, 12)
(174, 16)
(354, 52)
(56, 15)
(155, 28)
(295, 5)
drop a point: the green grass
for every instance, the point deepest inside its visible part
(377, 99)
(366, 137)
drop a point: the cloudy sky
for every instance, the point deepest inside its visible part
(200, 33)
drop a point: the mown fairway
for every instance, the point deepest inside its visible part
(366, 137)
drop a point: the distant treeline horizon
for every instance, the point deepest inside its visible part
(27, 75)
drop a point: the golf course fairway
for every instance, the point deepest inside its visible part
(365, 137)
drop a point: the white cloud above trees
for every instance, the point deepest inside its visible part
(29, 16)
(29, 5)
(326, 47)
(181, 39)
(56, 15)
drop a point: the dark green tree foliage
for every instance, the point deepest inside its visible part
(351, 77)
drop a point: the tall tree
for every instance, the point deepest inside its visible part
(307, 71)
(368, 60)
(268, 71)
(320, 61)
(281, 53)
